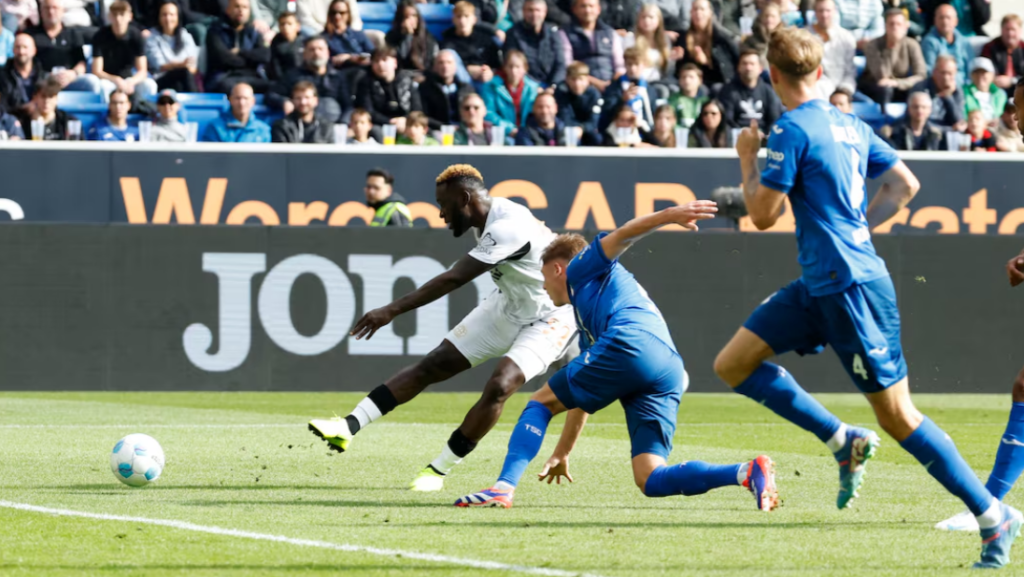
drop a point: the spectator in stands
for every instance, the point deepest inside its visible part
(863, 18)
(235, 52)
(630, 89)
(11, 126)
(838, 67)
(894, 62)
(664, 133)
(620, 14)
(333, 92)
(474, 129)
(265, 17)
(676, 15)
(417, 127)
(414, 44)
(947, 97)
(239, 124)
(1008, 138)
(579, 104)
(171, 52)
(624, 130)
(651, 38)
(60, 49)
(389, 95)
(119, 55)
(540, 42)
(982, 139)
(543, 127)
(487, 12)
(688, 101)
(286, 49)
(594, 43)
(114, 127)
(20, 74)
(349, 47)
(1007, 53)
(843, 100)
(362, 126)
(475, 46)
(389, 207)
(710, 46)
(509, 96)
(313, 17)
(728, 13)
(915, 131)
(982, 93)
(915, 24)
(767, 21)
(167, 128)
(19, 14)
(971, 14)
(303, 125)
(748, 97)
(944, 38)
(441, 92)
(44, 106)
(709, 131)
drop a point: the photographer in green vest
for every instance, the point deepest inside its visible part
(390, 207)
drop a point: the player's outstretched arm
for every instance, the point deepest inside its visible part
(465, 270)
(685, 215)
(557, 466)
(899, 186)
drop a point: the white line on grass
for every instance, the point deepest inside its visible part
(64, 426)
(434, 558)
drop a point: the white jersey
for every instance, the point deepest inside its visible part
(514, 239)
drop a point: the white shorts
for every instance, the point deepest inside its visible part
(487, 334)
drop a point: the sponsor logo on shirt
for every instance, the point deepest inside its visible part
(487, 242)
(776, 156)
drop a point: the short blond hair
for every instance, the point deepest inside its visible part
(564, 247)
(794, 52)
(464, 7)
(577, 69)
(460, 172)
(634, 54)
(1011, 18)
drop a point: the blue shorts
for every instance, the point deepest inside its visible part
(861, 323)
(637, 369)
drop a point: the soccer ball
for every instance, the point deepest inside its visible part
(137, 460)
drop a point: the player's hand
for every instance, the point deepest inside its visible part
(749, 141)
(371, 322)
(1015, 269)
(556, 468)
(687, 215)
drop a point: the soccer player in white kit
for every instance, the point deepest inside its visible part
(517, 322)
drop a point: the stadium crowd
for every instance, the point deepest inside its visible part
(524, 72)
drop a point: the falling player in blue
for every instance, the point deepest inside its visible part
(820, 157)
(626, 355)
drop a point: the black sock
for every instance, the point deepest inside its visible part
(353, 424)
(460, 444)
(382, 398)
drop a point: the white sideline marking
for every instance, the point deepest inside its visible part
(474, 563)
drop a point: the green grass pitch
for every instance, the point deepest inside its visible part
(245, 462)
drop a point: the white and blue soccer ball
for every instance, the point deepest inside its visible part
(137, 460)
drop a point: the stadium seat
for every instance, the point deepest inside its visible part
(260, 99)
(203, 99)
(895, 110)
(376, 11)
(376, 25)
(977, 43)
(67, 98)
(438, 17)
(202, 117)
(870, 113)
(860, 62)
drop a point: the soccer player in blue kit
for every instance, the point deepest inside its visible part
(626, 355)
(819, 157)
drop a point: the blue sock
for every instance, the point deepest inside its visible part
(773, 387)
(933, 448)
(525, 442)
(690, 478)
(1010, 456)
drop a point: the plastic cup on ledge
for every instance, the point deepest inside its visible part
(390, 131)
(569, 136)
(38, 128)
(341, 134)
(74, 130)
(193, 132)
(497, 136)
(622, 135)
(448, 135)
(682, 137)
(145, 130)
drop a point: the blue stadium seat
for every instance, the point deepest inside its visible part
(380, 26)
(438, 17)
(895, 110)
(870, 113)
(202, 117)
(203, 99)
(977, 43)
(89, 119)
(376, 11)
(68, 98)
(860, 62)
(260, 99)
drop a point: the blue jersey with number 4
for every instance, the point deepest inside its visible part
(820, 157)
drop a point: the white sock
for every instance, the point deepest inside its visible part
(445, 461)
(503, 486)
(741, 475)
(366, 412)
(991, 517)
(838, 440)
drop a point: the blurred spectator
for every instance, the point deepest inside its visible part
(914, 131)
(863, 18)
(77, 16)
(688, 101)
(838, 67)
(944, 38)
(620, 14)
(476, 47)
(488, 12)
(313, 19)
(982, 139)
(349, 47)
(362, 125)
(380, 196)
(972, 14)
(119, 55)
(417, 127)
(664, 133)
(676, 15)
(441, 91)
(710, 46)
(767, 21)
(114, 126)
(748, 97)
(166, 127)
(894, 62)
(171, 52)
(19, 14)
(6, 45)
(266, 17)
(509, 96)
(474, 129)
(1007, 53)
(389, 95)
(543, 127)
(11, 126)
(709, 131)
(540, 42)
(333, 92)
(286, 48)
(623, 130)
(239, 124)
(303, 125)
(414, 44)
(579, 103)
(729, 13)
(982, 94)
(843, 100)
(1008, 138)
(947, 97)
(20, 74)
(44, 106)
(915, 24)
(630, 89)
(60, 50)
(235, 51)
(650, 38)
(594, 43)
